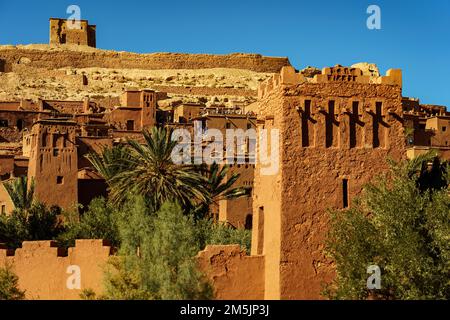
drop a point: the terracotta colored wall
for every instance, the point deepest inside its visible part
(236, 211)
(440, 127)
(236, 276)
(46, 166)
(266, 234)
(6, 204)
(42, 268)
(70, 107)
(311, 176)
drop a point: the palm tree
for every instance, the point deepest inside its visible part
(219, 187)
(111, 161)
(21, 195)
(147, 169)
(428, 171)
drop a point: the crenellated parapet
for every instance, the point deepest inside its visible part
(46, 271)
(288, 76)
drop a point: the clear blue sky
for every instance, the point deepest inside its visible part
(415, 34)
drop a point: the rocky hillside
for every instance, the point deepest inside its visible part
(73, 72)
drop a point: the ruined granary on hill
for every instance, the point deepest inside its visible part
(63, 31)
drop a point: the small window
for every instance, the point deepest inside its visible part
(130, 125)
(228, 125)
(345, 193)
(355, 108)
(19, 124)
(3, 209)
(248, 221)
(3, 123)
(379, 108)
(55, 152)
(444, 129)
(59, 180)
(249, 126)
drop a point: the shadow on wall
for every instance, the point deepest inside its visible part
(5, 66)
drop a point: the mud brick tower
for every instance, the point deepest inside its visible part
(53, 162)
(336, 132)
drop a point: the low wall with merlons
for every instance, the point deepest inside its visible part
(47, 272)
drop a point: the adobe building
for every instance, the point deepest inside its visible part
(239, 212)
(429, 128)
(48, 140)
(53, 162)
(336, 132)
(186, 112)
(137, 111)
(236, 212)
(63, 31)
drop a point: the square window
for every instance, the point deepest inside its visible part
(130, 125)
(59, 180)
(444, 129)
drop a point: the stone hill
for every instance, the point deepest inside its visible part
(70, 72)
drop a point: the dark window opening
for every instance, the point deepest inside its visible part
(130, 125)
(249, 126)
(55, 152)
(260, 247)
(444, 129)
(353, 121)
(376, 125)
(55, 141)
(248, 221)
(378, 108)
(19, 124)
(3, 123)
(59, 180)
(204, 124)
(329, 125)
(228, 125)
(44, 139)
(345, 193)
(305, 123)
(3, 209)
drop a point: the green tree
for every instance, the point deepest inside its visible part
(9, 285)
(110, 161)
(219, 187)
(156, 258)
(402, 224)
(100, 221)
(147, 169)
(36, 223)
(209, 232)
(21, 195)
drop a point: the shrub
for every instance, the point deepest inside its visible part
(9, 285)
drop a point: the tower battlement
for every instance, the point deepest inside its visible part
(337, 74)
